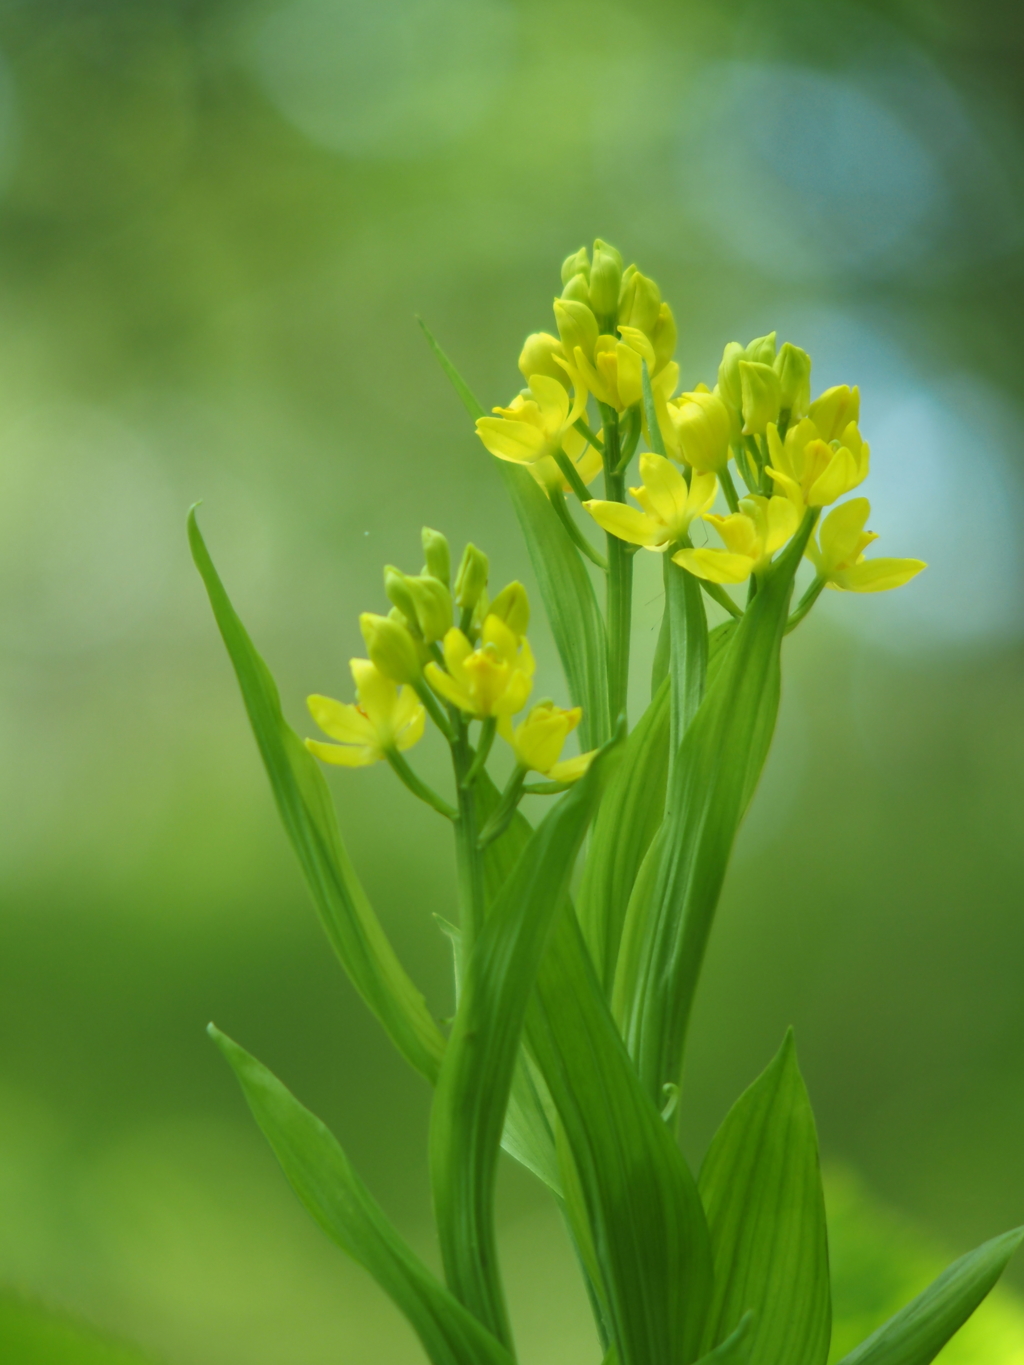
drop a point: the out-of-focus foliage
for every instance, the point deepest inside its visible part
(216, 222)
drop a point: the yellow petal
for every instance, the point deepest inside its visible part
(591, 378)
(342, 721)
(344, 755)
(703, 487)
(448, 688)
(626, 523)
(552, 400)
(517, 442)
(378, 695)
(879, 575)
(841, 532)
(666, 490)
(838, 477)
(572, 769)
(739, 533)
(716, 566)
(782, 519)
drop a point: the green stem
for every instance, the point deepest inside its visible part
(469, 864)
(805, 604)
(575, 534)
(631, 439)
(418, 787)
(546, 788)
(729, 489)
(620, 577)
(591, 436)
(504, 810)
(718, 594)
(487, 731)
(572, 475)
(433, 707)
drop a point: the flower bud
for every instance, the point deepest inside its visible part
(391, 648)
(605, 280)
(471, 580)
(834, 410)
(703, 429)
(576, 264)
(395, 586)
(761, 350)
(513, 607)
(577, 326)
(663, 338)
(729, 374)
(793, 366)
(437, 555)
(425, 602)
(577, 289)
(759, 385)
(639, 301)
(538, 357)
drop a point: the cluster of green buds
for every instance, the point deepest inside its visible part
(575, 992)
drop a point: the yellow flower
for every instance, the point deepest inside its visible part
(385, 717)
(834, 410)
(537, 741)
(534, 424)
(669, 506)
(751, 536)
(540, 355)
(493, 680)
(584, 456)
(698, 429)
(614, 375)
(814, 471)
(839, 559)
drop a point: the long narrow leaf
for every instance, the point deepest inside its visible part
(565, 586)
(720, 760)
(918, 1332)
(688, 648)
(324, 1180)
(33, 1335)
(631, 811)
(476, 1075)
(644, 1215)
(304, 804)
(735, 1350)
(761, 1188)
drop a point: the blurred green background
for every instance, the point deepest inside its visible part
(217, 220)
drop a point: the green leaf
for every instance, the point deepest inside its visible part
(473, 1088)
(761, 1187)
(688, 648)
(565, 586)
(916, 1334)
(320, 1174)
(720, 759)
(644, 1216)
(33, 1335)
(304, 804)
(735, 1349)
(630, 813)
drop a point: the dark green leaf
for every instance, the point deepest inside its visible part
(477, 1072)
(735, 1349)
(33, 1335)
(720, 760)
(644, 1219)
(565, 586)
(918, 1332)
(630, 814)
(304, 804)
(761, 1187)
(321, 1176)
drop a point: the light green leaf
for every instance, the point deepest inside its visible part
(476, 1075)
(761, 1187)
(735, 1349)
(630, 813)
(321, 1176)
(916, 1334)
(720, 759)
(565, 586)
(643, 1213)
(33, 1335)
(304, 804)
(688, 649)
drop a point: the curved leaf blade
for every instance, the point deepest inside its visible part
(304, 805)
(917, 1333)
(761, 1187)
(320, 1174)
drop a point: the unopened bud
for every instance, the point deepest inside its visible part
(729, 375)
(793, 366)
(471, 580)
(639, 302)
(437, 555)
(703, 429)
(513, 607)
(576, 264)
(538, 357)
(433, 604)
(663, 338)
(605, 280)
(760, 394)
(397, 590)
(391, 648)
(577, 289)
(761, 350)
(834, 410)
(577, 326)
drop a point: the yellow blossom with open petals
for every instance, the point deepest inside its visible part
(537, 741)
(838, 554)
(814, 471)
(669, 505)
(494, 679)
(751, 535)
(535, 423)
(614, 374)
(385, 717)
(584, 456)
